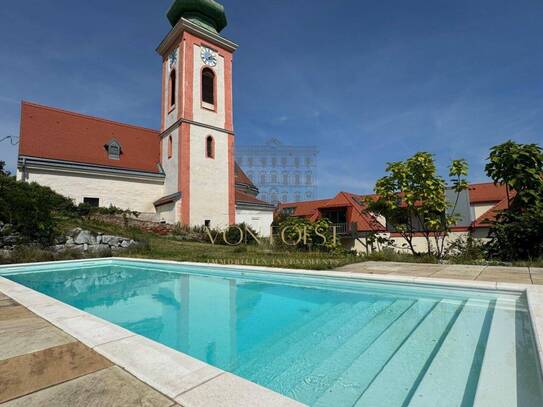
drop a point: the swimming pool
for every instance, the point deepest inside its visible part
(319, 340)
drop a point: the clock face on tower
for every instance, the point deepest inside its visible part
(209, 57)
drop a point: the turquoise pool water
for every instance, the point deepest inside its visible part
(322, 341)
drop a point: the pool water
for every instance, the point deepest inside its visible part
(327, 342)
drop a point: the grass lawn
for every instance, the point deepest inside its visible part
(168, 248)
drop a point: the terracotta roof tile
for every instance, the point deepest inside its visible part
(57, 134)
(486, 192)
(242, 197)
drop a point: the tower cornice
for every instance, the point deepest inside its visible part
(186, 25)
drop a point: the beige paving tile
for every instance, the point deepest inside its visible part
(110, 387)
(518, 278)
(165, 369)
(92, 331)
(13, 343)
(537, 279)
(228, 390)
(14, 311)
(455, 276)
(25, 374)
(7, 302)
(22, 324)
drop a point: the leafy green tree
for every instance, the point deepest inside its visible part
(30, 208)
(3, 171)
(517, 232)
(413, 200)
(303, 234)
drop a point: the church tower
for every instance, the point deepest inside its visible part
(197, 137)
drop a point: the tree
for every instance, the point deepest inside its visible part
(517, 232)
(29, 208)
(3, 171)
(413, 200)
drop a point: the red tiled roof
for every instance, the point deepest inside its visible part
(242, 197)
(486, 193)
(242, 178)
(310, 209)
(304, 208)
(486, 219)
(57, 134)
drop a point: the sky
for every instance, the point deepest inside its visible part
(366, 82)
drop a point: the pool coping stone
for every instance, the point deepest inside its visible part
(194, 383)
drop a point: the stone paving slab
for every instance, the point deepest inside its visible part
(514, 275)
(28, 373)
(111, 387)
(13, 343)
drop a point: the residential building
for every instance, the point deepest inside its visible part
(475, 208)
(281, 172)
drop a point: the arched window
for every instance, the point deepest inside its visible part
(173, 88)
(208, 86)
(170, 147)
(210, 147)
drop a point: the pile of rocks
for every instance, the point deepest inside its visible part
(77, 239)
(8, 238)
(84, 240)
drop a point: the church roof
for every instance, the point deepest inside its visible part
(57, 134)
(206, 13)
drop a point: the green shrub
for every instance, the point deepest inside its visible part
(302, 234)
(30, 209)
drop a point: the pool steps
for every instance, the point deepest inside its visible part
(418, 341)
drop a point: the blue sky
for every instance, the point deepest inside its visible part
(367, 82)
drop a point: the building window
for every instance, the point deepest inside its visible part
(263, 178)
(308, 178)
(274, 161)
(114, 150)
(94, 202)
(297, 162)
(210, 147)
(274, 178)
(172, 89)
(208, 86)
(284, 161)
(297, 179)
(170, 147)
(285, 178)
(297, 196)
(285, 198)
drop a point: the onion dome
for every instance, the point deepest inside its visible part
(206, 13)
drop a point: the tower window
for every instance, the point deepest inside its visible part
(210, 147)
(170, 147)
(173, 88)
(208, 86)
(114, 150)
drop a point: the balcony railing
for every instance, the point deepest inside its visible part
(341, 228)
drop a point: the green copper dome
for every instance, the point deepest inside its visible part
(206, 13)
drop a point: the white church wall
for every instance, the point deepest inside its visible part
(171, 113)
(168, 213)
(201, 114)
(171, 165)
(137, 195)
(259, 220)
(208, 178)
